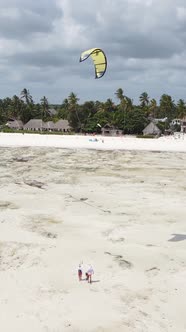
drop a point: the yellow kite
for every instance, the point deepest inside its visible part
(99, 60)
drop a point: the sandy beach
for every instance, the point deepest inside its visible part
(165, 143)
(115, 203)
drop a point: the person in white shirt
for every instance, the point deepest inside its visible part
(89, 274)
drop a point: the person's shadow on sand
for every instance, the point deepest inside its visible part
(92, 282)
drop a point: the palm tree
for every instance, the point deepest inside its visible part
(144, 99)
(128, 104)
(153, 107)
(167, 106)
(119, 94)
(65, 104)
(25, 94)
(45, 106)
(109, 105)
(181, 109)
(17, 105)
(73, 109)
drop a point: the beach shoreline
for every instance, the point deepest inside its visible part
(97, 142)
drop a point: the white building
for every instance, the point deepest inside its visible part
(175, 122)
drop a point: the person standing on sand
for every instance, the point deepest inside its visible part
(89, 274)
(80, 272)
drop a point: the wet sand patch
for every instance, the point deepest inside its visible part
(8, 205)
(42, 225)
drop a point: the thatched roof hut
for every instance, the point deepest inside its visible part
(15, 124)
(39, 125)
(151, 129)
(34, 124)
(48, 125)
(62, 125)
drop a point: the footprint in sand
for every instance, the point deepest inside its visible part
(153, 271)
(120, 260)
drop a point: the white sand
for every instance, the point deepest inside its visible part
(115, 210)
(168, 143)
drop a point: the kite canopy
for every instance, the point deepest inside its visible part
(99, 59)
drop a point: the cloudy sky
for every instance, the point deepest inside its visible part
(41, 42)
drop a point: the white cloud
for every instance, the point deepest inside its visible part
(40, 44)
(181, 13)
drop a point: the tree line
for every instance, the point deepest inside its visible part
(90, 116)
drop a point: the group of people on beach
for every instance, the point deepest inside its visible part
(88, 274)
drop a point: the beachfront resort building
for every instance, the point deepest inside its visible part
(151, 129)
(15, 124)
(62, 125)
(175, 122)
(39, 125)
(48, 126)
(34, 124)
(108, 130)
(183, 125)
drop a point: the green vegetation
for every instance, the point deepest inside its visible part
(145, 136)
(90, 116)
